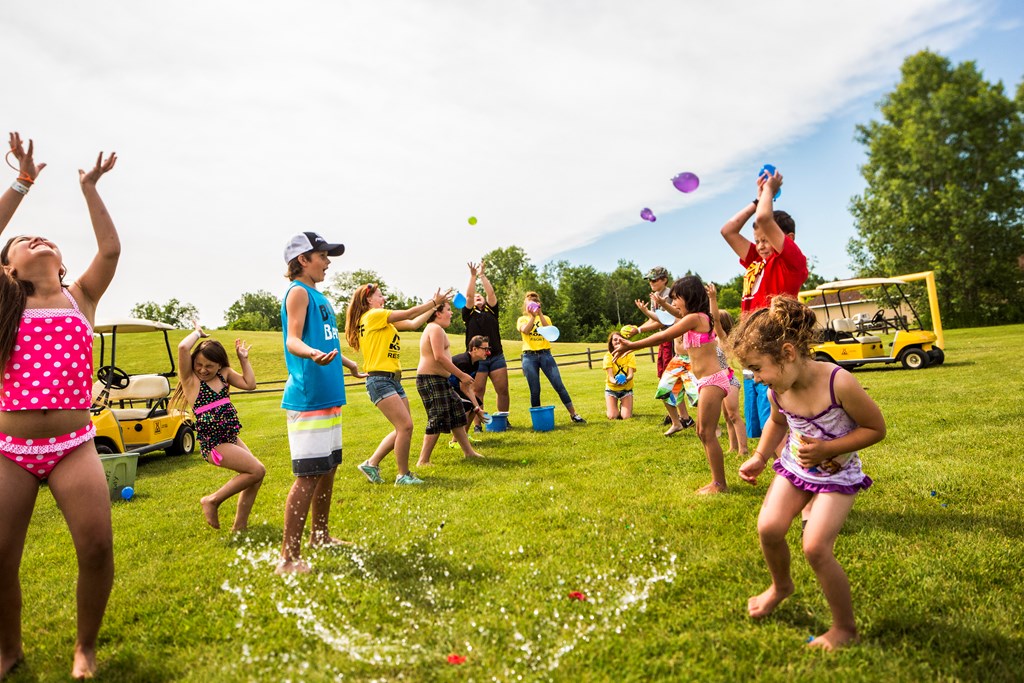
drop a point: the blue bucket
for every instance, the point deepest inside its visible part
(543, 418)
(498, 423)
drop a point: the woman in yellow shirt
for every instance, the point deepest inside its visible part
(537, 356)
(374, 329)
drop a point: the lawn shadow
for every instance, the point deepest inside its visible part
(168, 462)
(927, 524)
(968, 654)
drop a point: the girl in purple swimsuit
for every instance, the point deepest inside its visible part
(204, 379)
(45, 393)
(825, 417)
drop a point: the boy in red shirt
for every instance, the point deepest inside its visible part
(774, 265)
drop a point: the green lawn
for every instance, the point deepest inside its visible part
(480, 561)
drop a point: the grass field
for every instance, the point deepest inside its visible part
(480, 560)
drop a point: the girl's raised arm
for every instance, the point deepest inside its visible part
(96, 278)
(10, 200)
(247, 378)
(185, 374)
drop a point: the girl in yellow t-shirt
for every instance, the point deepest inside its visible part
(537, 356)
(374, 329)
(618, 388)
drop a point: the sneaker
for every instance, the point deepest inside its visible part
(578, 419)
(688, 422)
(667, 420)
(478, 429)
(407, 478)
(372, 473)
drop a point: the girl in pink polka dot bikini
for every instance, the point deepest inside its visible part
(45, 394)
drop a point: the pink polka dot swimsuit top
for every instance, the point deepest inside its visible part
(51, 364)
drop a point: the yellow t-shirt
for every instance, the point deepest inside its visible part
(533, 341)
(623, 364)
(379, 342)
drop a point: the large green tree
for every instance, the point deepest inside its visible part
(173, 312)
(945, 190)
(257, 311)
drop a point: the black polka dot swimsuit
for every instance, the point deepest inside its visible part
(216, 425)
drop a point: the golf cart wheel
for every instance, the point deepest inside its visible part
(936, 356)
(914, 359)
(104, 449)
(184, 442)
(823, 357)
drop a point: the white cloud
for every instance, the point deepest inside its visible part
(386, 124)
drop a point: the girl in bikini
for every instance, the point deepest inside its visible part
(204, 379)
(829, 418)
(46, 433)
(699, 342)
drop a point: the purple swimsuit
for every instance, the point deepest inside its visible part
(841, 474)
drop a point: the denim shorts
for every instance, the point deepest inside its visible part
(492, 363)
(379, 388)
(618, 394)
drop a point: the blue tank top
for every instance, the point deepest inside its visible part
(311, 386)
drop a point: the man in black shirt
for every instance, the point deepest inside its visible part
(482, 320)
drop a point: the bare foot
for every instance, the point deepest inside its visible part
(84, 665)
(835, 638)
(713, 487)
(210, 511)
(424, 463)
(9, 664)
(474, 454)
(673, 429)
(327, 542)
(764, 604)
(291, 567)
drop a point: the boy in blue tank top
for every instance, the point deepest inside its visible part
(313, 395)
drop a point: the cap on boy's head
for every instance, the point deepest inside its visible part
(306, 242)
(656, 273)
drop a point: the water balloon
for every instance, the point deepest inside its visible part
(533, 307)
(686, 182)
(620, 378)
(459, 301)
(769, 169)
(665, 318)
(472, 220)
(648, 215)
(127, 493)
(549, 332)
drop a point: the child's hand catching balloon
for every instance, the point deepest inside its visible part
(750, 469)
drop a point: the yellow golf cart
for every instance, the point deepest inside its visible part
(130, 411)
(872, 320)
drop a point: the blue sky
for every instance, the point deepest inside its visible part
(821, 169)
(385, 125)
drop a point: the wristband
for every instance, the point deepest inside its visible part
(761, 458)
(20, 187)
(755, 201)
(25, 179)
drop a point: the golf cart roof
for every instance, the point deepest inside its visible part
(856, 283)
(130, 325)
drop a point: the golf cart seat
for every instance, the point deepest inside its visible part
(842, 330)
(152, 390)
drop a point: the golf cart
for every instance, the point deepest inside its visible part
(857, 314)
(130, 411)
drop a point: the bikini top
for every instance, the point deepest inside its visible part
(209, 400)
(695, 340)
(51, 363)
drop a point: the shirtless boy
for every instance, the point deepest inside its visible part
(445, 412)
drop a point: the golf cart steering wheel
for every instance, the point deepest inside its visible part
(113, 377)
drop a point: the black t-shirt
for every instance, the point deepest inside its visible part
(485, 323)
(463, 362)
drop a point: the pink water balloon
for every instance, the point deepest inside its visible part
(686, 182)
(648, 215)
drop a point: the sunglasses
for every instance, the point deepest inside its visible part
(485, 348)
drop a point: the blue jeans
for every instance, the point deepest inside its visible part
(533, 364)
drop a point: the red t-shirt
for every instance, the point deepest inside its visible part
(782, 273)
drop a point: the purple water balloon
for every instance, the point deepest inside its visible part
(648, 215)
(686, 182)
